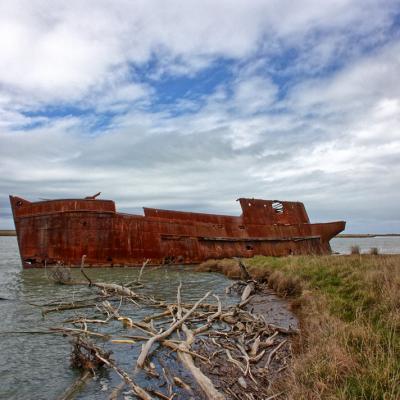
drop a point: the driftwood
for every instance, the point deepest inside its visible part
(172, 328)
(140, 392)
(248, 290)
(179, 382)
(204, 336)
(141, 269)
(273, 352)
(243, 268)
(88, 356)
(281, 329)
(112, 287)
(118, 289)
(121, 290)
(211, 318)
(116, 391)
(77, 385)
(203, 381)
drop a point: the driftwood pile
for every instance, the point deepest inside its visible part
(225, 352)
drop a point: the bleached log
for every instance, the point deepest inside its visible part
(249, 289)
(187, 360)
(146, 348)
(202, 380)
(71, 392)
(141, 270)
(211, 318)
(255, 346)
(273, 352)
(122, 290)
(116, 391)
(140, 392)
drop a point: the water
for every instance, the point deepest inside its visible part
(38, 366)
(384, 244)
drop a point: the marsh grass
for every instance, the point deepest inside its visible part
(374, 251)
(349, 308)
(355, 250)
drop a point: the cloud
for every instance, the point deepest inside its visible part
(61, 50)
(194, 104)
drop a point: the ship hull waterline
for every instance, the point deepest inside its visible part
(61, 231)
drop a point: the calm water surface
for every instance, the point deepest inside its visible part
(37, 366)
(385, 244)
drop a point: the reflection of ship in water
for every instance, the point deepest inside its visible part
(54, 231)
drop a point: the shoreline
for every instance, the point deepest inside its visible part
(275, 353)
(365, 235)
(347, 310)
(7, 232)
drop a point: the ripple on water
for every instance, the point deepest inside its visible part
(37, 366)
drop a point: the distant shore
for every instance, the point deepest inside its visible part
(365, 235)
(10, 232)
(5, 232)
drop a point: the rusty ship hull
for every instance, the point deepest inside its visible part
(61, 231)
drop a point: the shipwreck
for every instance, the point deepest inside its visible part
(61, 231)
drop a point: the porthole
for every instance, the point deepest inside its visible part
(277, 207)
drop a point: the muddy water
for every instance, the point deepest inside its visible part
(36, 366)
(274, 309)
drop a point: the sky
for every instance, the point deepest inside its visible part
(190, 105)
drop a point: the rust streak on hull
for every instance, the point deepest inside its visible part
(63, 230)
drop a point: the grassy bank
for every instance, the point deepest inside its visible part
(349, 307)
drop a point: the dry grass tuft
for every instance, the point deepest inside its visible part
(228, 267)
(284, 285)
(208, 266)
(259, 274)
(350, 322)
(355, 250)
(374, 251)
(232, 271)
(349, 307)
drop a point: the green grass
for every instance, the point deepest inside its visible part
(350, 316)
(361, 296)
